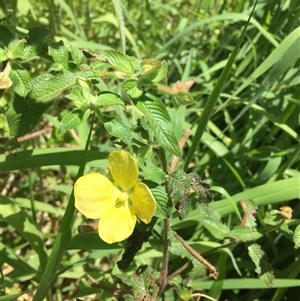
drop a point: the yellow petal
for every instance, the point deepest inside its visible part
(117, 224)
(94, 195)
(123, 168)
(143, 202)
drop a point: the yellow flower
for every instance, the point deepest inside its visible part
(117, 204)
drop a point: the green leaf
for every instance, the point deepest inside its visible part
(107, 98)
(210, 219)
(118, 61)
(15, 49)
(59, 52)
(159, 121)
(5, 81)
(152, 173)
(131, 87)
(117, 128)
(178, 187)
(163, 203)
(296, 237)
(4, 14)
(150, 70)
(183, 98)
(23, 114)
(46, 90)
(25, 225)
(6, 36)
(263, 268)
(273, 218)
(245, 233)
(20, 78)
(72, 120)
(162, 72)
(35, 40)
(77, 55)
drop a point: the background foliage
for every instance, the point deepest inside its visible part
(249, 149)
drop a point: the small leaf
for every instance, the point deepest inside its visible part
(152, 173)
(20, 78)
(117, 128)
(296, 237)
(245, 233)
(150, 70)
(118, 61)
(72, 120)
(183, 98)
(178, 188)
(273, 218)
(163, 203)
(5, 81)
(210, 219)
(200, 187)
(46, 90)
(15, 49)
(23, 114)
(249, 208)
(77, 56)
(263, 268)
(159, 121)
(130, 86)
(59, 52)
(162, 72)
(107, 98)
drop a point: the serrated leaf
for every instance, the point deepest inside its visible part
(35, 40)
(152, 173)
(249, 208)
(200, 187)
(47, 90)
(263, 268)
(77, 55)
(20, 78)
(245, 233)
(117, 128)
(296, 237)
(178, 188)
(131, 88)
(210, 219)
(72, 120)
(163, 203)
(118, 61)
(159, 121)
(23, 114)
(150, 70)
(59, 52)
(273, 218)
(15, 49)
(107, 98)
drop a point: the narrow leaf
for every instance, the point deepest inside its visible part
(72, 120)
(117, 128)
(159, 121)
(118, 61)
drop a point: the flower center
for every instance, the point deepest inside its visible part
(122, 199)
